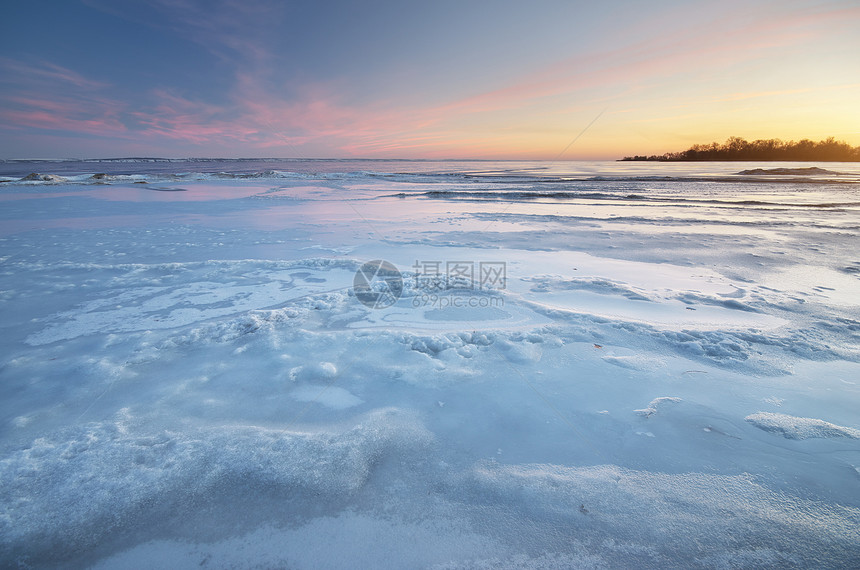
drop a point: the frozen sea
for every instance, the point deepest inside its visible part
(205, 364)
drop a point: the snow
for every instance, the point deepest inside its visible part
(656, 403)
(670, 379)
(792, 427)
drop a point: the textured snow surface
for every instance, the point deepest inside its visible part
(70, 491)
(792, 427)
(668, 377)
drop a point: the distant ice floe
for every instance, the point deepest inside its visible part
(810, 171)
(793, 427)
(36, 177)
(533, 185)
(104, 178)
(196, 176)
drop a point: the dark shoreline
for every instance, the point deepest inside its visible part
(661, 159)
(736, 149)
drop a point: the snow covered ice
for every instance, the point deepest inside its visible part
(668, 374)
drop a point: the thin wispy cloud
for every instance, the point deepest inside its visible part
(235, 31)
(38, 72)
(43, 95)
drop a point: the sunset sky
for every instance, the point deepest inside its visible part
(432, 79)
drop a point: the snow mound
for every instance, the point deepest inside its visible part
(319, 371)
(433, 345)
(639, 362)
(793, 427)
(74, 488)
(656, 403)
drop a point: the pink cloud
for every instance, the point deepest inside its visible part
(105, 126)
(44, 95)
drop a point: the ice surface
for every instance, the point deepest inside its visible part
(669, 376)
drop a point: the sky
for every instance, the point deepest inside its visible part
(544, 79)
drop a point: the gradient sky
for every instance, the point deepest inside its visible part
(430, 79)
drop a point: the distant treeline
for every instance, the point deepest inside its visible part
(736, 148)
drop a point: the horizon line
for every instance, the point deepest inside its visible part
(214, 158)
